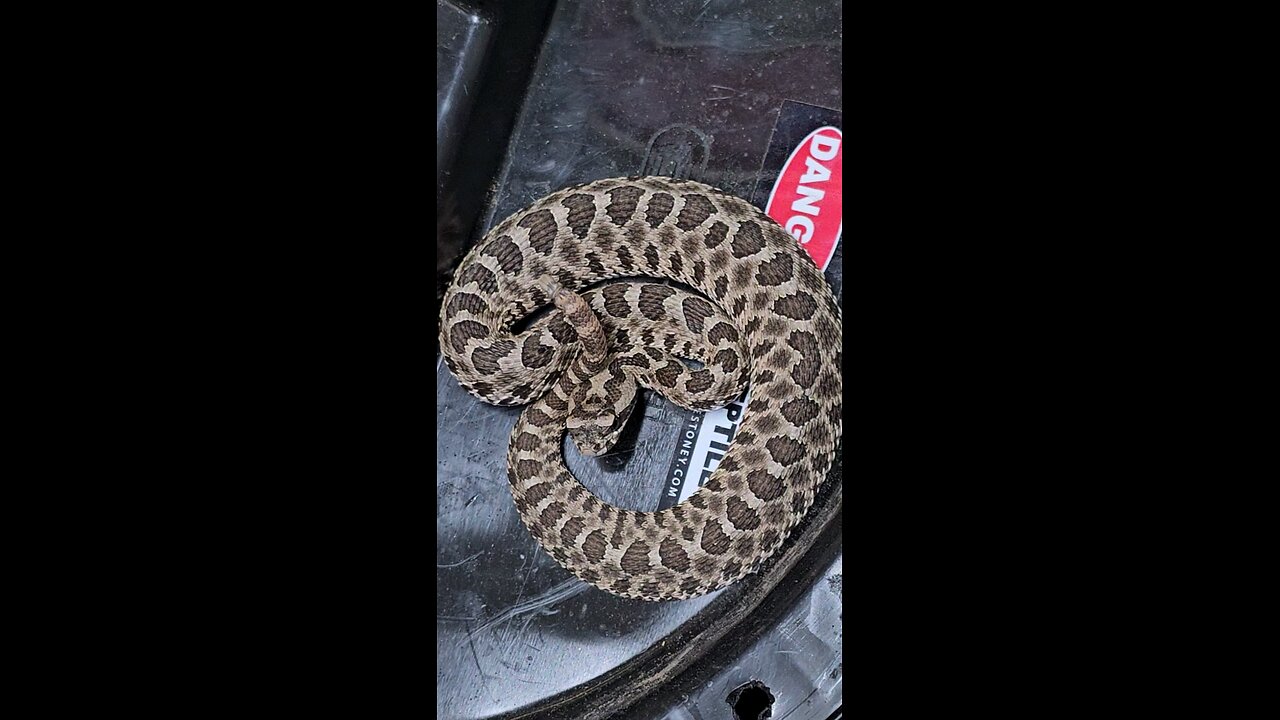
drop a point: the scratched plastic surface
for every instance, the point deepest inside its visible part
(799, 658)
(463, 35)
(689, 89)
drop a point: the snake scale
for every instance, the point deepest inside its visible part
(738, 295)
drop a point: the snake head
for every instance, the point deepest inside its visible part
(591, 425)
(596, 421)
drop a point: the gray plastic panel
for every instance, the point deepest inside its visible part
(462, 39)
(690, 89)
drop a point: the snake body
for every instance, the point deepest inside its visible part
(753, 307)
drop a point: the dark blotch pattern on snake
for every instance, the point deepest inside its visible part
(765, 315)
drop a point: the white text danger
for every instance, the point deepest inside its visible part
(805, 209)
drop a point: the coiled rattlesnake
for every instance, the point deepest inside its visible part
(771, 319)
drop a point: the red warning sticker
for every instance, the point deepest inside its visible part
(806, 198)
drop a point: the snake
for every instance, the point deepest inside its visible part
(576, 303)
